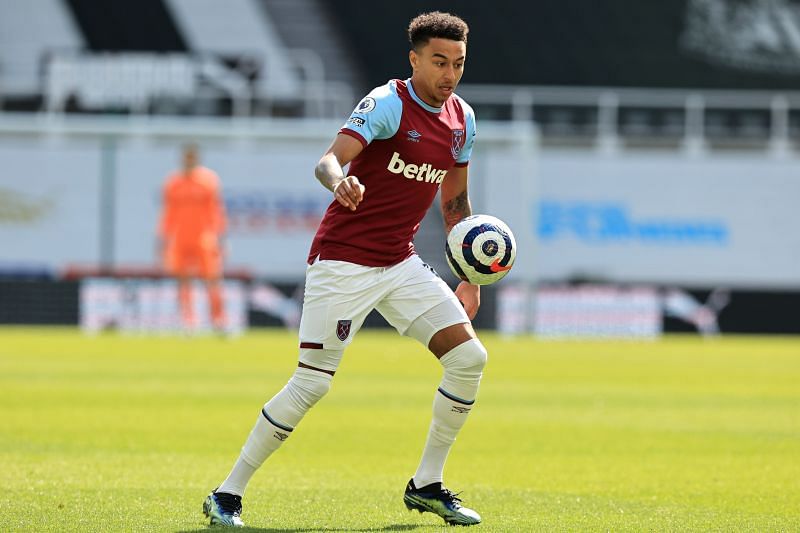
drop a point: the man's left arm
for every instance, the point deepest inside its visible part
(220, 216)
(217, 214)
(166, 223)
(455, 206)
(454, 196)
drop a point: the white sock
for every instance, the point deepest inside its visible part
(275, 423)
(264, 439)
(463, 368)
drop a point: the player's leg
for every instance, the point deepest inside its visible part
(179, 264)
(279, 417)
(274, 424)
(337, 299)
(445, 329)
(211, 270)
(462, 357)
(214, 290)
(186, 302)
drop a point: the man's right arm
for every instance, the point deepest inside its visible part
(166, 223)
(347, 190)
(377, 116)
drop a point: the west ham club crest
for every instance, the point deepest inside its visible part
(343, 329)
(457, 143)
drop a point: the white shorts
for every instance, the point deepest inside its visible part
(339, 296)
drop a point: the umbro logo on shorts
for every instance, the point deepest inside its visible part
(343, 329)
(426, 265)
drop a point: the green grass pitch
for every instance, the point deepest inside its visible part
(117, 433)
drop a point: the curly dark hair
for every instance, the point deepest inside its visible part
(436, 24)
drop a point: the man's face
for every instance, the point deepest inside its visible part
(437, 69)
(190, 158)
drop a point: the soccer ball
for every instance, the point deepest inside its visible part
(480, 249)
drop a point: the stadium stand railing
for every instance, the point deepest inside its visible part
(625, 117)
(142, 84)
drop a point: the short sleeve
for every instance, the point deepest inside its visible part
(466, 152)
(377, 115)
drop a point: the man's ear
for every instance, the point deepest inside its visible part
(413, 58)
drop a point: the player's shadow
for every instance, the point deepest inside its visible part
(392, 527)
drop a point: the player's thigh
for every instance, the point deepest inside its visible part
(210, 263)
(442, 328)
(338, 297)
(184, 261)
(421, 303)
(174, 261)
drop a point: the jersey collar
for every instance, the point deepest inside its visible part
(418, 100)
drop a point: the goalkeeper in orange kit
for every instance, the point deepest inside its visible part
(190, 233)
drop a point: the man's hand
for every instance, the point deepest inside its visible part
(470, 297)
(349, 192)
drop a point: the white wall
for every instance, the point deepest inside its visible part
(636, 216)
(668, 218)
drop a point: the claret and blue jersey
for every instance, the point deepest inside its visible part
(409, 147)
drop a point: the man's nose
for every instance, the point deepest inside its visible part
(450, 73)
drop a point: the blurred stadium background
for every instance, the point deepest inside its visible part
(644, 153)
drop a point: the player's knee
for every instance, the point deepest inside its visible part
(467, 358)
(310, 385)
(304, 389)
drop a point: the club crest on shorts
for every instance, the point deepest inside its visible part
(343, 329)
(457, 143)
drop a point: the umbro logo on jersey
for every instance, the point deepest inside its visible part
(414, 136)
(424, 172)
